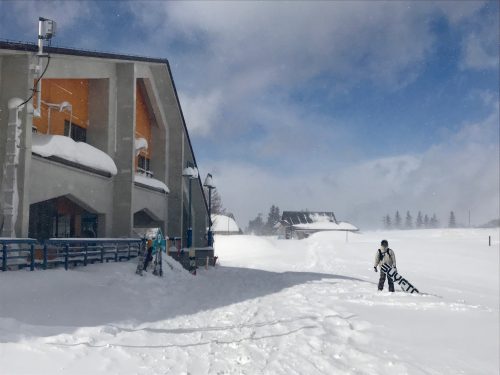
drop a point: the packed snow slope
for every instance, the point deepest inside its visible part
(271, 307)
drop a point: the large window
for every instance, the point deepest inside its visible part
(78, 134)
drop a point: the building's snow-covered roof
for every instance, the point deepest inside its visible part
(305, 217)
(325, 225)
(153, 182)
(223, 223)
(314, 221)
(66, 148)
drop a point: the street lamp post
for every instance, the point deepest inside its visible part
(191, 173)
(209, 185)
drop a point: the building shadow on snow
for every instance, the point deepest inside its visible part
(140, 301)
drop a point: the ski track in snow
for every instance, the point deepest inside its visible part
(271, 307)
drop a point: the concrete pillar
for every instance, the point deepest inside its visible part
(16, 81)
(123, 218)
(98, 132)
(176, 182)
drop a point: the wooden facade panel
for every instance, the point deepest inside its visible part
(56, 91)
(143, 122)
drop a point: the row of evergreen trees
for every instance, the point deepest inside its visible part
(422, 221)
(265, 228)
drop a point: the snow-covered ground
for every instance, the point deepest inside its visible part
(270, 307)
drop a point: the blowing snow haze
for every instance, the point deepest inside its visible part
(361, 108)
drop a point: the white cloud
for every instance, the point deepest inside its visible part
(65, 13)
(201, 112)
(480, 43)
(460, 173)
(295, 41)
(247, 50)
(481, 52)
(459, 11)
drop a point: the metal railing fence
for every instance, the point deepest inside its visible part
(70, 252)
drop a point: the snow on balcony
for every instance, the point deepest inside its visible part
(152, 182)
(77, 152)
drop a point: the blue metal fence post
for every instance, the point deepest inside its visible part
(4, 257)
(102, 253)
(128, 256)
(116, 252)
(66, 251)
(85, 255)
(45, 256)
(32, 255)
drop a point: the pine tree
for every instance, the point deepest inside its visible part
(434, 223)
(217, 207)
(408, 221)
(397, 220)
(419, 222)
(256, 226)
(426, 221)
(273, 218)
(387, 221)
(452, 223)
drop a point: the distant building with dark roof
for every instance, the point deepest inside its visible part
(301, 224)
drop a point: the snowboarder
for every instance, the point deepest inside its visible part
(385, 255)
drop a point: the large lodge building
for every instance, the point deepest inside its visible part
(106, 154)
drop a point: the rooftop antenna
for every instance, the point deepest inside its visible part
(46, 30)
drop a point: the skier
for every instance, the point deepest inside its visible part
(385, 255)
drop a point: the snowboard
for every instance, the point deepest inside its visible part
(398, 279)
(142, 255)
(158, 269)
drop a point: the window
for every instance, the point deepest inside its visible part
(78, 134)
(143, 165)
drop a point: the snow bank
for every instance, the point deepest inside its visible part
(153, 182)
(223, 223)
(76, 152)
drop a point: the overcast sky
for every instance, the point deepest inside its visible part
(361, 108)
